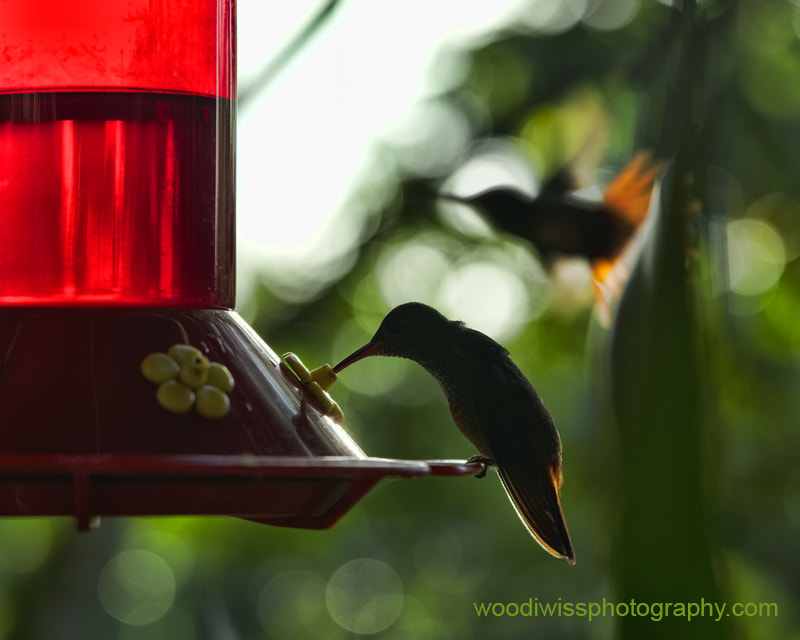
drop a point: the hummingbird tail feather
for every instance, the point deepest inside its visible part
(629, 193)
(537, 504)
(628, 196)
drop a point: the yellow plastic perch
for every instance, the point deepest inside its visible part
(318, 382)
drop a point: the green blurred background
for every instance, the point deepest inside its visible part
(601, 79)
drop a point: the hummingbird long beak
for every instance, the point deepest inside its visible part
(369, 349)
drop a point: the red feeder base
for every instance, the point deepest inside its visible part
(83, 434)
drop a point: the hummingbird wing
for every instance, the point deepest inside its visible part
(560, 183)
(526, 448)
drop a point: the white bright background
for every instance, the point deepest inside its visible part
(314, 134)
(313, 137)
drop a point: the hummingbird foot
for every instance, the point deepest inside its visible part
(484, 462)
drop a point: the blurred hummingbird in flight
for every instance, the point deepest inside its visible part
(493, 405)
(558, 223)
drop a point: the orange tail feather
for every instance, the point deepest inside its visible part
(629, 193)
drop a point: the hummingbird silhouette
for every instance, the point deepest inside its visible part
(558, 223)
(492, 404)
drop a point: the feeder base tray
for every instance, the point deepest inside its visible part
(282, 491)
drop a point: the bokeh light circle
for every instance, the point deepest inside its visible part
(364, 596)
(756, 256)
(136, 587)
(488, 297)
(413, 270)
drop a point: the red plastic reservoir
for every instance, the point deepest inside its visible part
(117, 152)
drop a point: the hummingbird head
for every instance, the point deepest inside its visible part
(407, 331)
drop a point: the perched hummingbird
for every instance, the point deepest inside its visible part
(558, 223)
(493, 405)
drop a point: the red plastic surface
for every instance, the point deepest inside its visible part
(82, 433)
(132, 45)
(70, 383)
(309, 493)
(116, 199)
(117, 128)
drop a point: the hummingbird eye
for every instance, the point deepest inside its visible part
(394, 325)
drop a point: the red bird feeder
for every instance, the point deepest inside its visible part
(127, 384)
